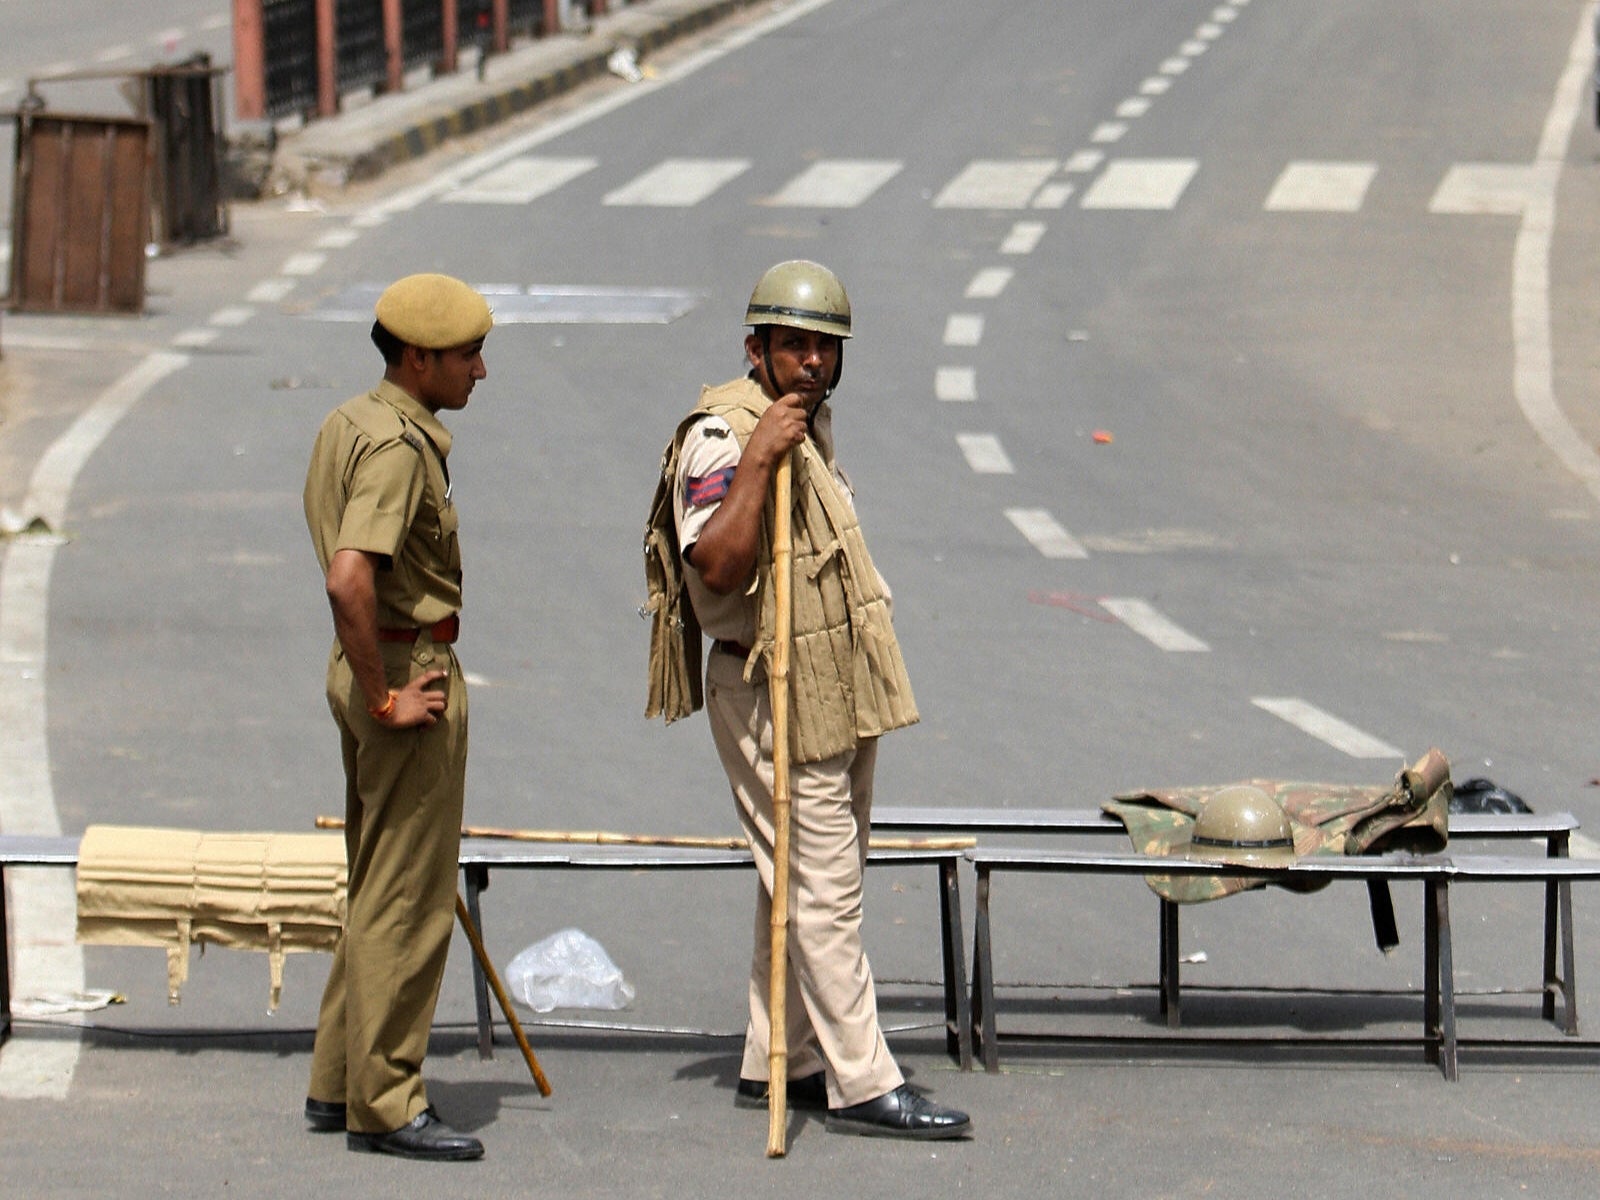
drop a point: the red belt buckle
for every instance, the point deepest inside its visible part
(446, 631)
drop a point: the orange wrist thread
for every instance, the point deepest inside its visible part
(385, 709)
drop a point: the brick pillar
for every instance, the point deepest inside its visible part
(249, 60)
(394, 46)
(327, 59)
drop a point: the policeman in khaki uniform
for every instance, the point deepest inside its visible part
(709, 562)
(377, 501)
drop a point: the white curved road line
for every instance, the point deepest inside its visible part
(1530, 278)
(45, 956)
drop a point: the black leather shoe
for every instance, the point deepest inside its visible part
(425, 1137)
(324, 1116)
(901, 1113)
(809, 1093)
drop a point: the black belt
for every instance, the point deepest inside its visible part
(733, 648)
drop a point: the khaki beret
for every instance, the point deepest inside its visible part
(434, 312)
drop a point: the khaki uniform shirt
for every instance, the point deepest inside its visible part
(706, 465)
(378, 483)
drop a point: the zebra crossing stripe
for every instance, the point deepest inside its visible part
(1038, 183)
(521, 181)
(1327, 728)
(1321, 187)
(1141, 183)
(836, 183)
(677, 182)
(1495, 189)
(989, 183)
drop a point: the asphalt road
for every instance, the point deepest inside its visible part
(1200, 412)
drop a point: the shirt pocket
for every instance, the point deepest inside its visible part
(449, 546)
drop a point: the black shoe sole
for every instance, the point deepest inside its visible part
(374, 1143)
(873, 1129)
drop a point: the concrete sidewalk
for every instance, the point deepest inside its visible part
(365, 140)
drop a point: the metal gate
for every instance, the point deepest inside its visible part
(82, 213)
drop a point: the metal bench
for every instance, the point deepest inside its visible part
(1436, 872)
(1555, 830)
(480, 856)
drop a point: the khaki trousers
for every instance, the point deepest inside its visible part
(831, 1006)
(404, 795)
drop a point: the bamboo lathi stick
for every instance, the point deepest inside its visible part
(778, 680)
(493, 976)
(601, 837)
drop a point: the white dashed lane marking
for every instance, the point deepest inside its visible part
(989, 283)
(984, 454)
(1023, 238)
(1045, 533)
(270, 291)
(1327, 728)
(963, 329)
(1142, 617)
(957, 384)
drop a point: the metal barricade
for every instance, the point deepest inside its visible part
(82, 213)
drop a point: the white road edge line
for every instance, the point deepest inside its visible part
(46, 957)
(1533, 373)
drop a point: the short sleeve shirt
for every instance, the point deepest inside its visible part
(706, 463)
(378, 482)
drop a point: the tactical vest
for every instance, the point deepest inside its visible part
(847, 679)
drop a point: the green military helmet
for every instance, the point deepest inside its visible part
(1242, 824)
(801, 295)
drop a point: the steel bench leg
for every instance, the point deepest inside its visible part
(477, 878)
(1170, 1002)
(1439, 1005)
(982, 1008)
(1558, 927)
(1430, 974)
(957, 1010)
(5, 965)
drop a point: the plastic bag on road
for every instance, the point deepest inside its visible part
(568, 969)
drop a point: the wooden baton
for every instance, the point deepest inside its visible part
(778, 681)
(493, 976)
